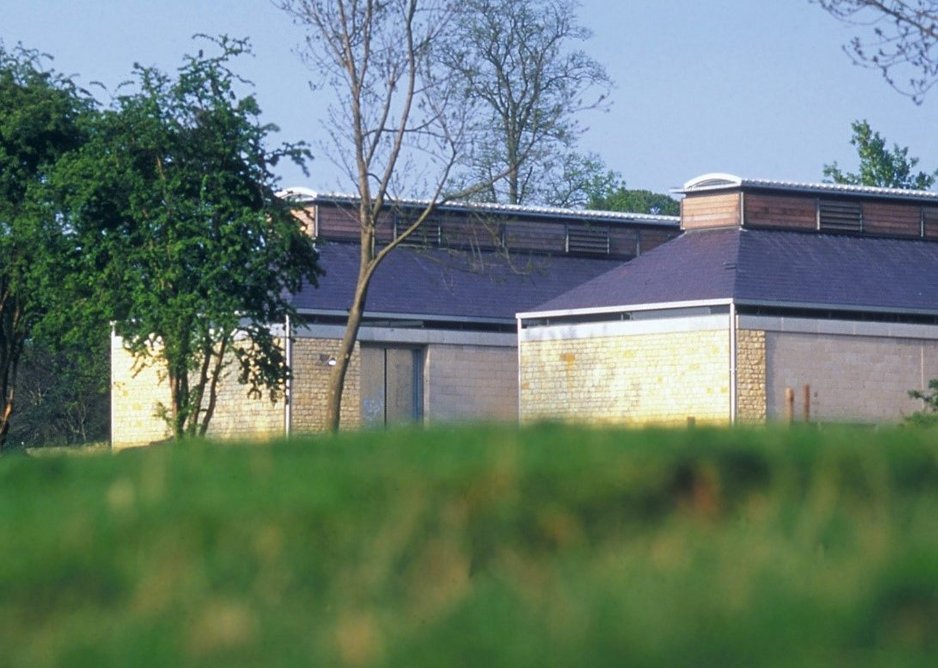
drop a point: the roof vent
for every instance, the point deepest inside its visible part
(713, 180)
(840, 216)
(588, 240)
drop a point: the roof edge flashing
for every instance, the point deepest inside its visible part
(308, 195)
(715, 181)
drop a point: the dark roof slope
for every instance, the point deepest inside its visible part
(695, 266)
(771, 267)
(437, 283)
(838, 271)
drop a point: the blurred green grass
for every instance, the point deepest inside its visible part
(483, 546)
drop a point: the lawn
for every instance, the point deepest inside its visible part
(544, 546)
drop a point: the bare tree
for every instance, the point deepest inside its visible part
(899, 40)
(394, 115)
(519, 61)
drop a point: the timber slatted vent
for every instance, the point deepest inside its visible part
(427, 235)
(840, 216)
(930, 222)
(587, 240)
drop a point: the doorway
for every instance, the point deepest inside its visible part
(391, 385)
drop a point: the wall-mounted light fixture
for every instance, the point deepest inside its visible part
(326, 359)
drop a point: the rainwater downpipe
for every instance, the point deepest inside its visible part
(733, 347)
(520, 331)
(288, 385)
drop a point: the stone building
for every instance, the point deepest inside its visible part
(778, 298)
(439, 339)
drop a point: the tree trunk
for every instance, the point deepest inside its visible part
(11, 338)
(347, 346)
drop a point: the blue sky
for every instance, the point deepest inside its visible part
(759, 88)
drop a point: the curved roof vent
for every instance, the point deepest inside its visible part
(713, 180)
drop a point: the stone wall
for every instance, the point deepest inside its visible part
(652, 377)
(468, 382)
(139, 387)
(750, 376)
(136, 391)
(311, 383)
(240, 416)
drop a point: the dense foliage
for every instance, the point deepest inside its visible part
(174, 204)
(607, 191)
(880, 166)
(40, 122)
(496, 547)
(157, 212)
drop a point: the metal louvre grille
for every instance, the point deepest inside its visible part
(840, 216)
(590, 240)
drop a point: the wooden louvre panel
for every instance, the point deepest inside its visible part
(712, 210)
(428, 234)
(930, 222)
(892, 219)
(386, 227)
(471, 232)
(624, 241)
(840, 216)
(780, 211)
(534, 235)
(587, 239)
(649, 239)
(338, 222)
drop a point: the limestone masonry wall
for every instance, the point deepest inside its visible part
(238, 416)
(311, 383)
(468, 382)
(750, 376)
(656, 378)
(137, 389)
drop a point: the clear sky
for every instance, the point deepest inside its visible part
(758, 88)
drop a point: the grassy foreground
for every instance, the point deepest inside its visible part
(548, 546)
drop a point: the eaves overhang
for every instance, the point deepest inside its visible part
(753, 303)
(626, 308)
(835, 308)
(392, 316)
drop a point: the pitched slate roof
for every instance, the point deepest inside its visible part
(776, 268)
(441, 284)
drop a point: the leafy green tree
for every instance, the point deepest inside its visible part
(928, 416)
(40, 112)
(522, 73)
(880, 166)
(607, 191)
(175, 207)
